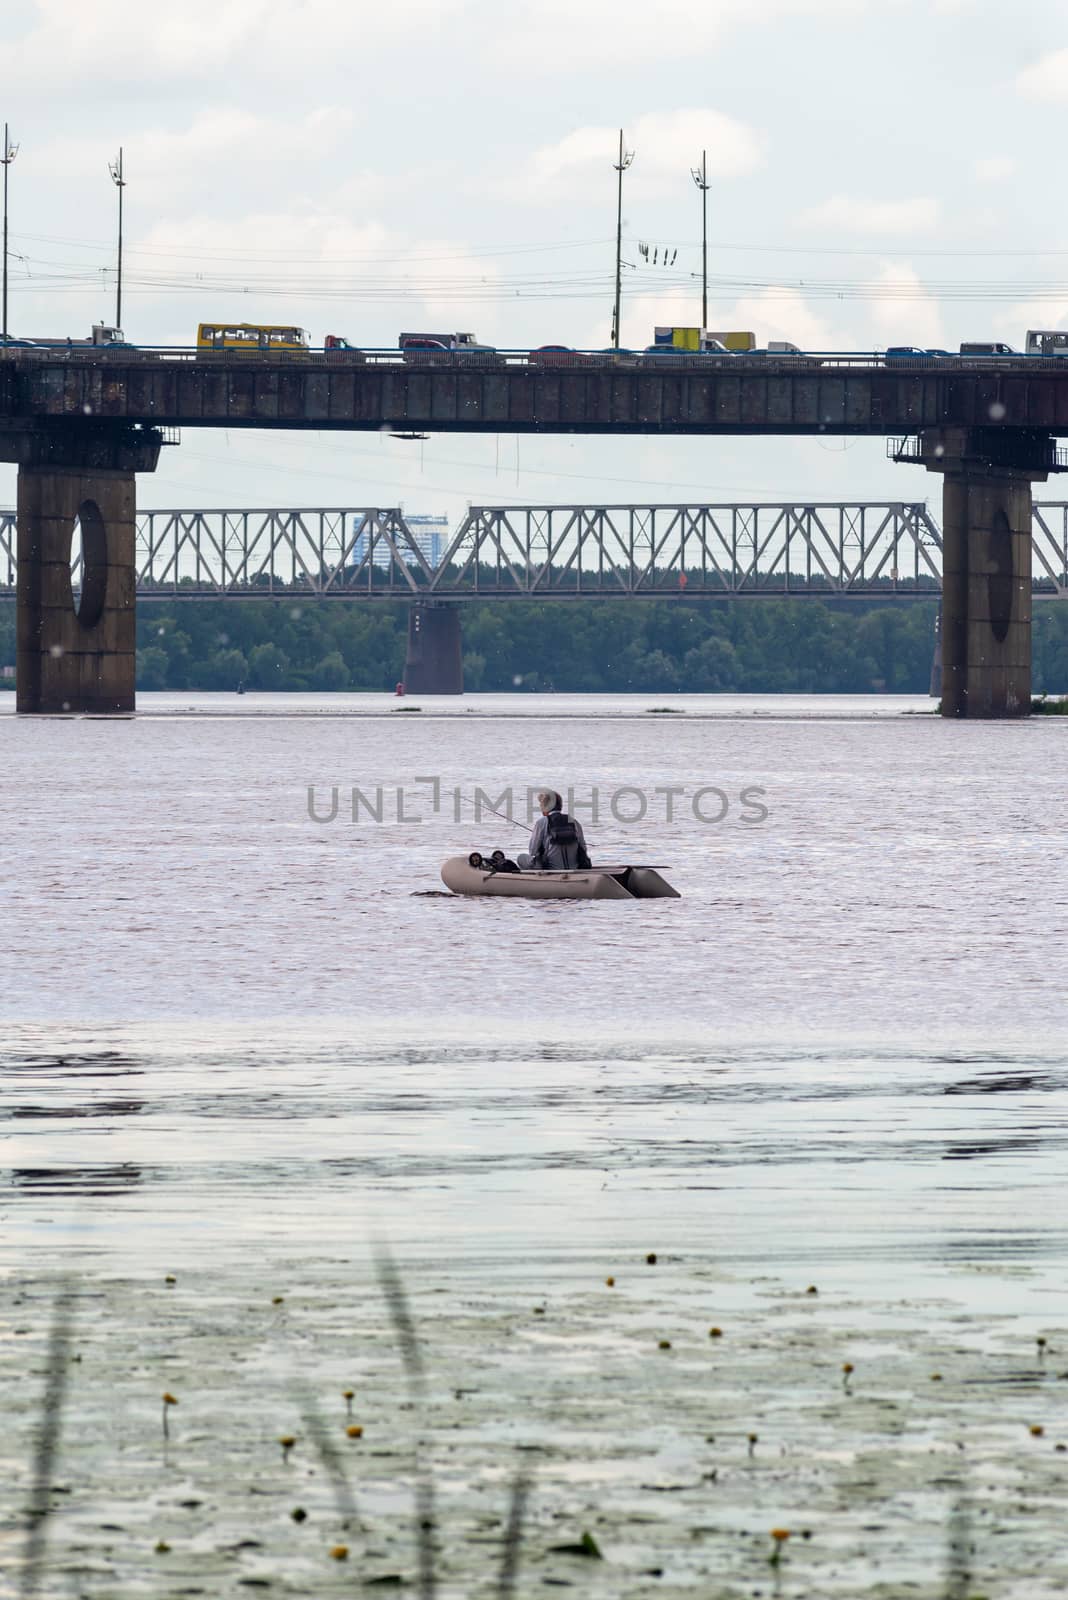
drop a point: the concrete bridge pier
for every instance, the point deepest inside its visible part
(77, 654)
(434, 663)
(986, 565)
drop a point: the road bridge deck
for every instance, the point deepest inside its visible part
(604, 394)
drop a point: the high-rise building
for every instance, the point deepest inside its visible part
(430, 534)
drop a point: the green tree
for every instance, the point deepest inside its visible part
(226, 669)
(152, 667)
(711, 667)
(331, 672)
(268, 667)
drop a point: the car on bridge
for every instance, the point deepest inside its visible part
(618, 356)
(988, 348)
(905, 352)
(712, 347)
(335, 344)
(553, 355)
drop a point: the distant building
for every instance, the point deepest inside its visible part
(431, 535)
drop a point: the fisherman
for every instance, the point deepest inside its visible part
(557, 843)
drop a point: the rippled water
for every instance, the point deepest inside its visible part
(242, 1043)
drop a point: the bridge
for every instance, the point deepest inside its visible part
(556, 552)
(80, 425)
(764, 549)
(760, 550)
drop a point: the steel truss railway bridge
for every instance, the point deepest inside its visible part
(557, 552)
(887, 550)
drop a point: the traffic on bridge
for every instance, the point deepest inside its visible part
(679, 345)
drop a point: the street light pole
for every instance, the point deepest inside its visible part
(700, 177)
(10, 152)
(625, 159)
(115, 168)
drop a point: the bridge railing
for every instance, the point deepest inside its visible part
(535, 361)
(554, 552)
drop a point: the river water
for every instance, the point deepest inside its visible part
(249, 1042)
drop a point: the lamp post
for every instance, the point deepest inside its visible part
(700, 177)
(625, 159)
(115, 168)
(10, 152)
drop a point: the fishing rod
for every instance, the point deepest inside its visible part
(479, 806)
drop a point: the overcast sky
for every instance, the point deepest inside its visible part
(883, 172)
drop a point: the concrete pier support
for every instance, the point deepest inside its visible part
(986, 566)
(434, 663)
(75, 656)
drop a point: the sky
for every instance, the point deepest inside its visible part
(881, 172)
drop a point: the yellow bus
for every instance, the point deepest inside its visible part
(250, 339)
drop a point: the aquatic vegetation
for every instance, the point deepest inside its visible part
(168, 1401)
(840, 1458)
(586, 1546)
(45, 1455)
(779, 1537)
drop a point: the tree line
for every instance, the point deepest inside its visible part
(801, 646)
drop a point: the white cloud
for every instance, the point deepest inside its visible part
(773, 314)
(573, 35)
(904, 312)
(1046, 78)
(129, 43)
(993, 169)
(665, 143)
(847, 215)
(217, 145)
(1049, 315)
(320, 270)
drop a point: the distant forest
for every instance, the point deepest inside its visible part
(800, 646)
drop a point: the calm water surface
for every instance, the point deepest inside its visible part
(224, 1015)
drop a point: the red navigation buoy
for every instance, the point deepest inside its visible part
(399, 689)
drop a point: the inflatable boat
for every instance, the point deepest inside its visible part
(477, 874)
